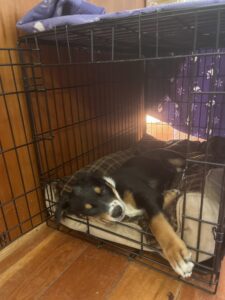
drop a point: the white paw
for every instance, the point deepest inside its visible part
(184, 267)
(179, 258)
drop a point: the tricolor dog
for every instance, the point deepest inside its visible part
(136, 187)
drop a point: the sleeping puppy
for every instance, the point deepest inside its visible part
(137, 187)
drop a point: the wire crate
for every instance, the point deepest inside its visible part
(88, 89)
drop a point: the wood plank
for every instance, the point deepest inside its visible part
(139, 282)
(25, 244)
(112, 6)
(10, 13)
(188, 292)
(91, 276)
(48, 264)
(221, 287)
(40, 267)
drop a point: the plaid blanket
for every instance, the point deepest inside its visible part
(109, 163)
(104, 165)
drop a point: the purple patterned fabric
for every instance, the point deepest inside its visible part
(51, 13)
(188, 102)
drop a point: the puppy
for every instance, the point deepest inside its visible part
(137, 187)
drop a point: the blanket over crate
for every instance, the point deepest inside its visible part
(53, 13)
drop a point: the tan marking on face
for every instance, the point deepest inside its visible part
(105, 218)
(128, 198)
(88, 206)
(97, 190)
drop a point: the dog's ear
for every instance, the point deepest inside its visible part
(81, 179)
(80, 176)
(83, 176)
(98, 178)
(96, 174)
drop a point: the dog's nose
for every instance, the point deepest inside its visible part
(117, 211)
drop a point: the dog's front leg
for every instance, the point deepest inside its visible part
(174, 249)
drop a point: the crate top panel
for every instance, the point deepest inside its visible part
(172, 30)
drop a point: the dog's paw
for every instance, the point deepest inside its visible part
(179, 258)
(175, 192)
(170, 196)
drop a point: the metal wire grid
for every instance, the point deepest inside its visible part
(158, 86)
(145, 37)
(72, 116)
(190, 72)
(210, 272)
(21, 205)
(204, 276)
(57, 126)
(210, 127)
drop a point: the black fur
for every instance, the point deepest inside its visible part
(137, 176)
(146, 178)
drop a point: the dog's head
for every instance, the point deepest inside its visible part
(92, 195)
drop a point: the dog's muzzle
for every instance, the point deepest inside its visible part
(117, 210)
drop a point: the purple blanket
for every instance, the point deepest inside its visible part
(52, 13)
(192, 97)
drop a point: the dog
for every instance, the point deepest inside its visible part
(139, 186)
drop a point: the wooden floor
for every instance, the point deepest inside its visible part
(48, 264)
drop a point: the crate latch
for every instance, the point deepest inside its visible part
(218, 235)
